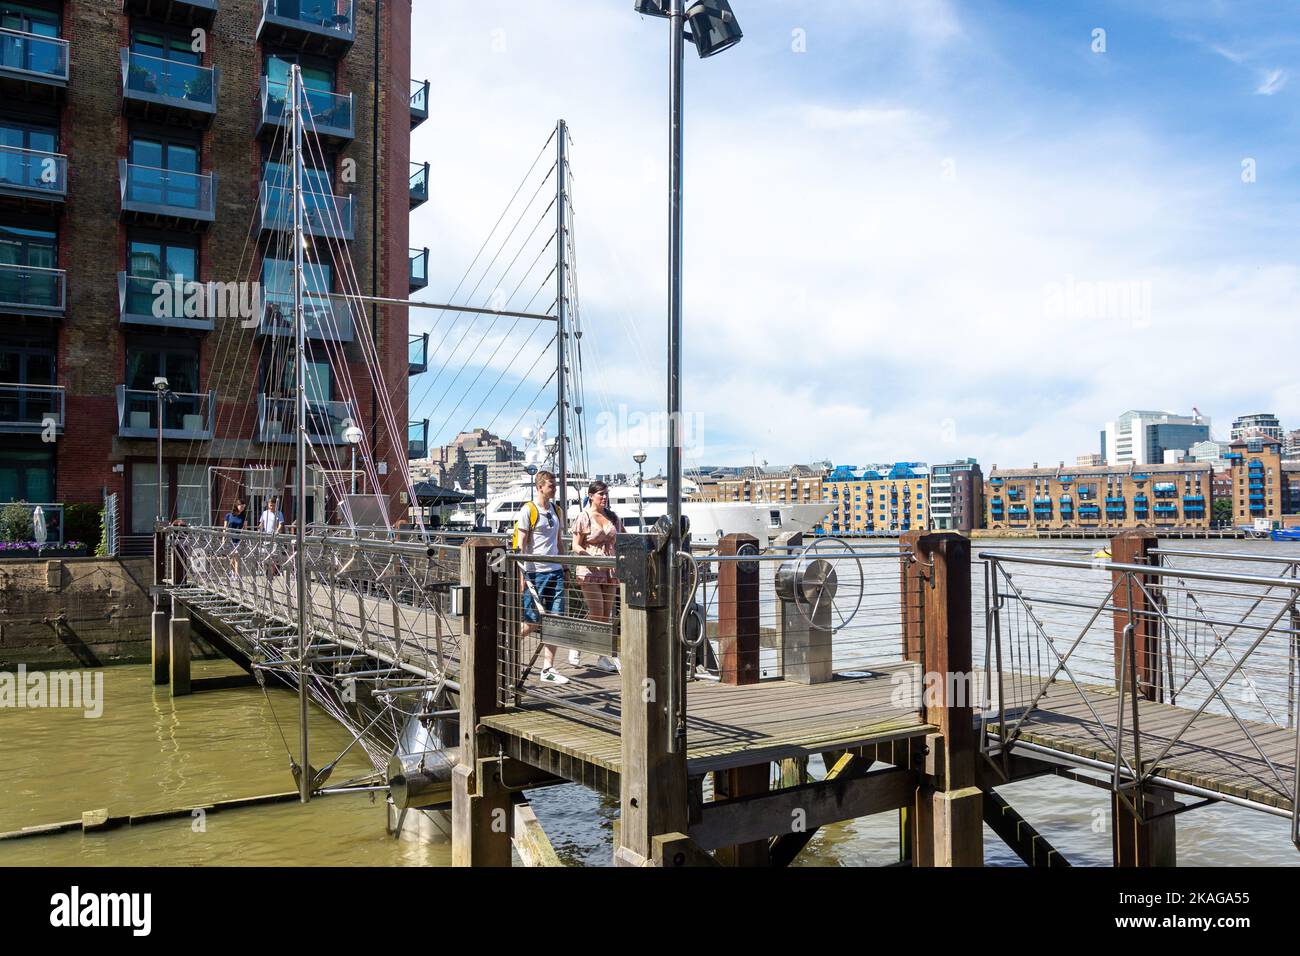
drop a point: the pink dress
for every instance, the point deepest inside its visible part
(600, 542)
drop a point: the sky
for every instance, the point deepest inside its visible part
(914, 231)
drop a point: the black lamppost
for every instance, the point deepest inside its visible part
(165, 394)
(639, 458)
(713, 29)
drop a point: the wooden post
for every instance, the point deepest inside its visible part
(180, 653)
(1153, 843)
(738, 626)
(948, 829)
(159, 640)
(738, 643)
(1134, 606)
(652, 781)
(481, 813)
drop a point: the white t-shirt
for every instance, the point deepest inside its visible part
(546, 535)
(271, 521)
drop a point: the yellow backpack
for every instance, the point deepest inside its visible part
(533, 515)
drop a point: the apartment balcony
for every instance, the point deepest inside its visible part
(419, 102)
(277, 421)
(313, 26)
(418, 354)
(326, 319)
(188, 12)
(33, 178)
(329, 115)
(185, 416)
(417, 440)
(324, 215)
(168, 90)
(141, 300)
(30, 409)
(31, 290)
(33, 67)
(419, 268)
(167, 197)
(419, 184)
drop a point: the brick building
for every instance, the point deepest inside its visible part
(957, 496)
(1111, 497)
(875, 502)
(797, 484)
(1258, 491)
(137, 144)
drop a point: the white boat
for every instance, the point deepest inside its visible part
(709, 520)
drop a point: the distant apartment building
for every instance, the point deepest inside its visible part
(1258, 491)
(1208, 450)
(1142, 437)
(957, 496)
(877, 503)
(455, 461)
(1291, 445)
(1105, 498)
(1090, 461)
(1256, 425)
(797, 484)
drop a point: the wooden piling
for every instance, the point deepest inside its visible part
(1152, 841)
(179, 653)
(947, 822)
(481, 810)
(159, 640)
(1135, 606)
(652, 781)
(738, 623)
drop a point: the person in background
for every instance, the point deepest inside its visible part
(235, 521)
(537, 534)
(272, 519)
(594, 531)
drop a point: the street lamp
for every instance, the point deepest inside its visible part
(639, 458)
(713, 29)
(352, 435)
(165, 393)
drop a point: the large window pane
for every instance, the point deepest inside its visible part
(144, 496)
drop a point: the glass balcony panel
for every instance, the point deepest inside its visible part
(155, 80)
(30, 408)
(30, 289)
(33, 172)
(184, 415)
(38, 57)
(168, 192)
(277, 420)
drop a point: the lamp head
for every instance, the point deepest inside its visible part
(713, 26)
(639, 457)
(160, 383)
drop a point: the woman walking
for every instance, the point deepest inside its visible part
(594, 532)
(236, 518)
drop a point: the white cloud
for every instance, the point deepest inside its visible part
(1271, 81)
(865, 279)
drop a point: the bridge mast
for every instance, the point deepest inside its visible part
(561, 200)
(300, 432)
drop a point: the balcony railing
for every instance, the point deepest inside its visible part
(172, 87)
(30, 409)
(323, 214)
(277, 420)
(418, 354)
(167, 193)
(31, 58)
(419, 102)
(33, 173)
(31, 290)
(417, 439)
(419, 268)
(140, 301)
(331, 114)
(419, 184)
(320, 26)
(325, 318)
(184, 415)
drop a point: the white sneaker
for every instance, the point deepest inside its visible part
(575, 658)
(550, 675)
(610, 665)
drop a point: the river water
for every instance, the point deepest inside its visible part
(148, 752)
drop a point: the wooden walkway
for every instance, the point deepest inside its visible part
(727, 726)
(1213, 753)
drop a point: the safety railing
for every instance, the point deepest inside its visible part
(37, 173)
(380, 624)
(557, 632)
(1173, 668)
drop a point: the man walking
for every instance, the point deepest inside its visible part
(537, 534)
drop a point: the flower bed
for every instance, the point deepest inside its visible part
(29, 549)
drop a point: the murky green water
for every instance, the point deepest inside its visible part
(149, 752)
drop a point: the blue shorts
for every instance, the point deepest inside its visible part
(549, 586)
